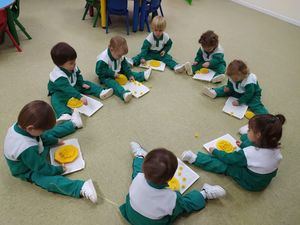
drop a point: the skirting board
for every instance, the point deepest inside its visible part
(268, 12)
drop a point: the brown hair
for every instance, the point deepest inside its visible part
(209, 39)
(159, 23)
(160, 166)
(118, 42)
(37, 113)
(237, 67)
(62, 53)
(270, 128)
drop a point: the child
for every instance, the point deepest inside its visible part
(254, 166)
(157, 45)
(66, 82)
(27, 145)
(241, 84)
(149, 200)
(210, 55)
(111, 63)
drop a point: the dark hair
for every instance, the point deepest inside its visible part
(237, 67)
(62, 53)
(209, 39)
(37, 113)
(160, 166)
(118, 42)
(270, 128)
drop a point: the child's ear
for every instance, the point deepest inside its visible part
(29, 128)
(258, 135)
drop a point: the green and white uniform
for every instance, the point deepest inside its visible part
(26, 157)
(251, 167)
(64, 85)
(152, 47)
(107, 67)
(151, 204)
(215, 59)
(247, 91)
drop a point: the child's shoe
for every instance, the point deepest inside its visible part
(244, 129)
(188, 68)
(64, 117)
(137, 150)
(130, 61)
(88, 191)
(76, 119)
(210, 92)
(218, 78)
(127, 96)
(147, 74)
(212, 191)
(106, 93)
(179, 68)
(188, 156)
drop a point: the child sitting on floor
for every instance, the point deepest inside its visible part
(150, 201)
(27, 145)
(241, 84)
(111, 63)
(66, 82)
(211, 56)
(157, 45)
(256, 164)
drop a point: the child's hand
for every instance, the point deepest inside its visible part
(226, 89)
(117, 75)
(162, 53)
(64, 167)
(238, 143)
(206, 64)
(84, 100)
(60, 142)
(143, 61)
(131, 79)
(235, 103)
(85, 86)
(210, 150)
(195, 63)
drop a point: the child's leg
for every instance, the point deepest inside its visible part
(137, 166)
(58, 184)
(118, 89)
(168, 60)
(256, 106)
(59, 104)
(196, 67)
(210, 163)
(94, 89)
(139, 76)
(220, 91)
(220, 69)
(137, 59)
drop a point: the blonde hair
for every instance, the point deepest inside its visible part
(159, 23)
(118, 43)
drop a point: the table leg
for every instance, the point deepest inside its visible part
(142, 15)
(103, 13)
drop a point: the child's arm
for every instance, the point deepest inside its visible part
(235, 158)
(145, 48)
(31, 158)
(245, 142)
(62, 84)
(79, 78)
(199, 57)
(191, 202)
(126, 69)
(248, 95)
(167, 46)
(216, 60)
(103, 70)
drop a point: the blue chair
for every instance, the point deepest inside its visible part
(117, 7)
(151, 7)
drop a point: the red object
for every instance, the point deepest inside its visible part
(91, 11)
(4, 28)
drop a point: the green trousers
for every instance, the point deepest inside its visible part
(220, 69)
(59, 99)
(118, 89)
(57, 184)
(255, 104)
(167, 59)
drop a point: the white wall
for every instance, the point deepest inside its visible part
(287, 10)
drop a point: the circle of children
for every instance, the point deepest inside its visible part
(149, 201)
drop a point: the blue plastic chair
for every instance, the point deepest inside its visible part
(151, 7)
(117, 7)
